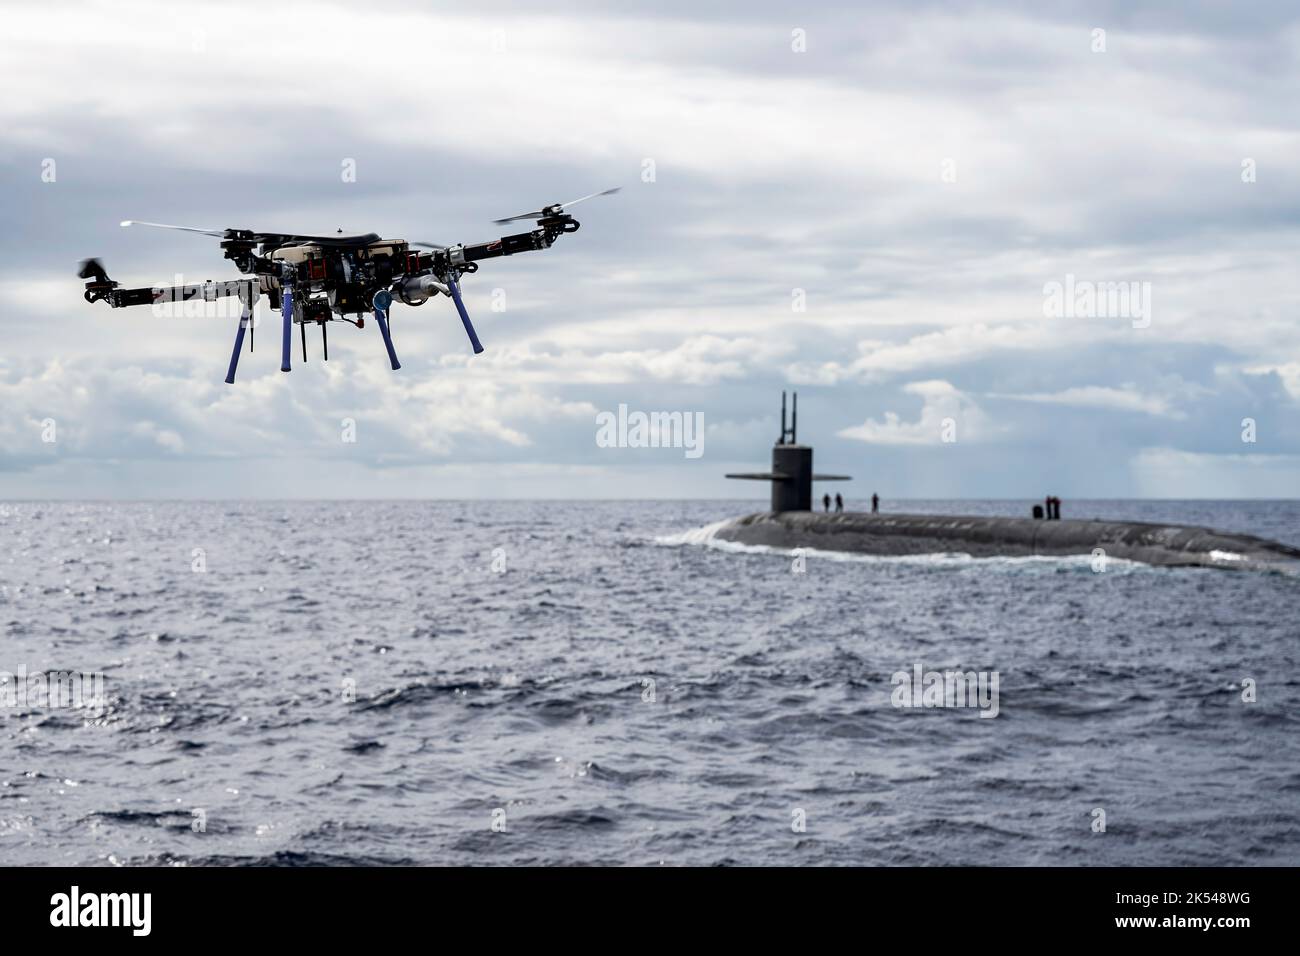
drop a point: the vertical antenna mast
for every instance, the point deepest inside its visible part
(788, 434)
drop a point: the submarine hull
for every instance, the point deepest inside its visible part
(904, 534)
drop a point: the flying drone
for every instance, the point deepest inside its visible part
(322, 279)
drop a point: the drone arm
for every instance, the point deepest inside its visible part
(549, 229)
(107, 291)
(505, 246)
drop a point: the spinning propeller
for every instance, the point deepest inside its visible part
(217, 233)
(555, 210)
(94, 269)
(249, 236)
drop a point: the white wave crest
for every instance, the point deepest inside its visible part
(707, 537)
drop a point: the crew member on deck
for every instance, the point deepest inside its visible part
(875, 503)
(839, 504)
(826, 503)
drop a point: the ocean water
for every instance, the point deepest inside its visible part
(596, 683)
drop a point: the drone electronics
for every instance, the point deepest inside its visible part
(320, 279)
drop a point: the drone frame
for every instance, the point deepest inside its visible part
(334, 264)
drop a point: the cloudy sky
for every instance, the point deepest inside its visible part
(867, 205)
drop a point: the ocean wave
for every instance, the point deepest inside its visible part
(706, 537)
(627, 692)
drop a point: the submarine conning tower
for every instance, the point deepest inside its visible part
(792, 523)
(792, 474)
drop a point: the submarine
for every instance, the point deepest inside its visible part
(792, 523)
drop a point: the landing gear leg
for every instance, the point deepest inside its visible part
(382, 302)
(286, 309)
(464, 316)
(248, 298)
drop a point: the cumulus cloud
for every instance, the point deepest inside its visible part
(957, 345)
(913, 179)
(1289, 372)
(125, 412)
(1127, 398)
(946, 415)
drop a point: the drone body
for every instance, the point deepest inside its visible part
(321, 279)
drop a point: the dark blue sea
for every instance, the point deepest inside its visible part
(596, 683)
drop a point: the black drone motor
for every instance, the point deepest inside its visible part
(100, 285)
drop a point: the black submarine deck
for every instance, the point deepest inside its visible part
(981, 536)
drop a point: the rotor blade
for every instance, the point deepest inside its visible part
(605, 192)
(523, 215)
(92, 269)
(287, 238)
(541, 213)
(427, 245)
(220, 234)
